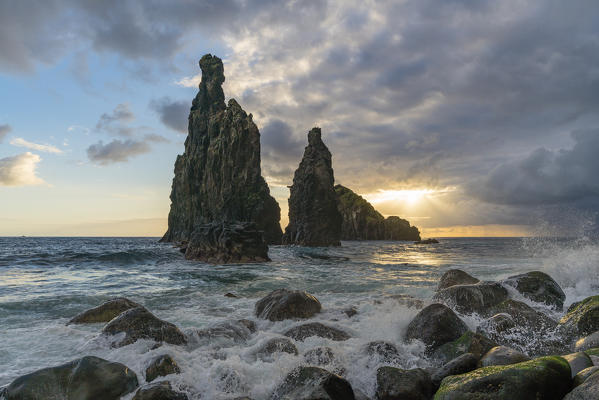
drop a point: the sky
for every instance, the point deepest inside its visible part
(467, 117)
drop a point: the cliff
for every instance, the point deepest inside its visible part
(362, 222)
(218, 177)
(314, 219)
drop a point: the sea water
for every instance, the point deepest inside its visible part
(46, 281)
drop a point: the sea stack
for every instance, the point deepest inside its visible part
(314, 219)
(218, 177)
(362, 222)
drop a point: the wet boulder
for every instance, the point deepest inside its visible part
(274, 346)
(161, 366)
(304, 331)
(309, 383)
(403, 384)
(502, 355)
(104, 312)
(497, 324)
(525, 316)
(159, 391)
(469, 342)
(384, 352)
(546, 378)
(459, 365)
(284, 304)
(435, 325)
(588, 390)
(226, 333)
(139, 323)
(456, 277)
(477, 298)
(87, 378)
(578, 362)
(227, 243)
(587, 342)
(319, 356)
(583, 319)
(583, 375)
(538, 287)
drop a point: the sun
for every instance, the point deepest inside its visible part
(408, 196)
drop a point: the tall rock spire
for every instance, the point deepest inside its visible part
(314, 219)
(218, 177)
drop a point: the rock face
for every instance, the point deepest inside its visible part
(161, 366)
(309, 383)
(283, 304)
(314, 219)
(227, 243)
(304, 331)
(456, 277)
(469, 342)
(459, 365)
(273, 346)
(477, 298)
(502, 355)
(218, 177)
(543, 378)
(159, 391)
(87, 378)
(396, 384)
(360, 221)
(104, 312)
(139, 323)
(436, 325)
(588, 390)
(583, 319)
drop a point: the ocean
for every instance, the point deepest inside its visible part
(46, 281)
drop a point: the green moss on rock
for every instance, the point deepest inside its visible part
(542, 378)
(582, 319)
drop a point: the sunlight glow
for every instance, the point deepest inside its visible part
(408, 196)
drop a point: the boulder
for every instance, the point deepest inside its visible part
(497, 324)
(87, 378)
(584, 375)
(218, 177)
(456, 277)
(582, 319)
(314, 219)
(159, 391)
(227, 243)
(403, 384)
(287, 304)
(502, 355)
(587, 342)
(459, 365)
(273, 346)
(546, 378)
(319, 356)
(525, 316)
(469, 342)
(588, 390)
(301, 332)
(578, 362)
(539, 287)
(477, 298)
(427, 241)
(139, 323)
(384, 352)
(227, 333)
(104, 312)
(435, 325)
(161, 366)
(399, 229)
(310, 383)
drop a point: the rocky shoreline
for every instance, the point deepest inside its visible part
(496, 361)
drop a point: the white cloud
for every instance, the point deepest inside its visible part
(20, 170)
(20, 142)
(190, 81)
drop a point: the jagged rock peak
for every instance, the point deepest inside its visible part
(218, 178)
(314, 219)
(211, 97)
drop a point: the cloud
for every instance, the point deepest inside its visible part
(20, 170)
(120, 114)
(116, 151)
(152, 137)
(4, 130)
(47, 148)
(546, 177)
(173, 114)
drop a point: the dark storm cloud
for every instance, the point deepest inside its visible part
(548, 177)
(277, 139)
(4, 130)
(116, 151)
(173, 113)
